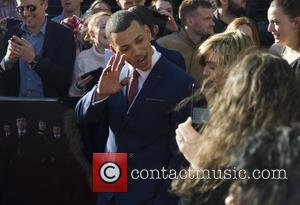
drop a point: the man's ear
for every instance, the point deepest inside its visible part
(112, 48)
(189, 21)
(45, 4)
(148, 32)
(155, 30)
(297, 21)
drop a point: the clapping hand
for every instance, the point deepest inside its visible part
(20, 48)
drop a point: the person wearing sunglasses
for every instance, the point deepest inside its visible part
(37, 56)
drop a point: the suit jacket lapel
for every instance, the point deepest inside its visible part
(155, 76)
(47, 39)
(17, 70)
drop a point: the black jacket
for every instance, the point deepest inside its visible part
(55, 66)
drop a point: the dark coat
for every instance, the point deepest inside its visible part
(172, 55)
(55, 66)
(146, 131)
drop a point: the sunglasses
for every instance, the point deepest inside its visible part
(30, 8)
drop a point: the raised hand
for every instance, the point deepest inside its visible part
(73, 22)
(171, 23)
(109, 80)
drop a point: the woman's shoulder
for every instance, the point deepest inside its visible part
(277, 48)
(85, 53)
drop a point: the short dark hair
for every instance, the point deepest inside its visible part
(189, 6)
(120, 21)
(150, 17)
(145, 14)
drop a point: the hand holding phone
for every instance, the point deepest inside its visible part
(89, 79)
(95, 73)
(21, 48)
(11, 54)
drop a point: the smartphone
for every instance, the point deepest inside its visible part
(199, 110)
(96, 75)
(10, 22)
(75, 21)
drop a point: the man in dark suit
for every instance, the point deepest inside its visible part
(136, 102)
(36, 56)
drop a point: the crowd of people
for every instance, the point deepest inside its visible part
(143, 75)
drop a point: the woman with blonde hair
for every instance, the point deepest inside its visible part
(245, 25)
(93, 58)
(215, 55)
(261, 91)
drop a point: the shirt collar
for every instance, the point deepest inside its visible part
(144, 74)
(42, 29)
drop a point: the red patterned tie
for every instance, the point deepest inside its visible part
(133, 89)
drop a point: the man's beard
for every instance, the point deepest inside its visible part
(204, 35)
(235, 10)
(203, 32)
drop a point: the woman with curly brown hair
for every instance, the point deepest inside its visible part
(271, 159)
(261, 91)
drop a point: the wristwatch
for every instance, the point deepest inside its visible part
(34, 61)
